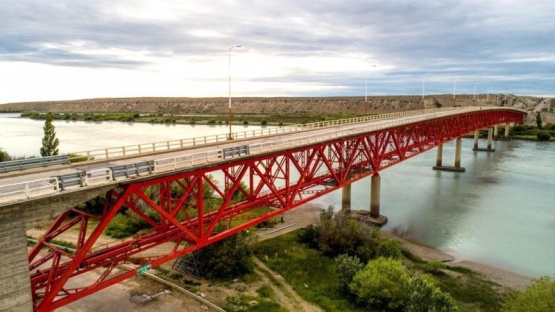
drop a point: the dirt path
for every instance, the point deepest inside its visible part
(286, 296)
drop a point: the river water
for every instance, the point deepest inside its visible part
(500, 212)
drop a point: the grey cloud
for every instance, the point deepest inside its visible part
(467, 40)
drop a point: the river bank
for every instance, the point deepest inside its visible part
(309, 213)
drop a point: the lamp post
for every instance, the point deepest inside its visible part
(423, 85)
(474, 97)
(366, 93)
(230, 135)
(487, 96)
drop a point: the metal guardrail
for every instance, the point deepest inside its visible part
(134, 150)
(28, 163)
(36, 188)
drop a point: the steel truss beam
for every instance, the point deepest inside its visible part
(182, 219)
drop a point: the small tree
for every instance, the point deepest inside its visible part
(539, 120)
(49, 141)
(4, 156)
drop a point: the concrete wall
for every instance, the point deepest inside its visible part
(15, 219)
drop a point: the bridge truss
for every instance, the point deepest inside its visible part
(182, 219)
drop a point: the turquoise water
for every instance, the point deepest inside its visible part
(499, 212)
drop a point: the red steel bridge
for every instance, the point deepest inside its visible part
(280, 177)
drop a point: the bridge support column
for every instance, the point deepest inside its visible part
(346, 197)
(457, 167)
(375, 218)
(490, 138)
(507, 127)
(375, 196)
(489, 146)
(496, 132)
(15, 282)
(439, 155)
(476, 137)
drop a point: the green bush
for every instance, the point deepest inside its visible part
(265, 291)
(543, 135)
(228, 258)
(245, 122)
(540, 296)
(347, 267)
(381, 284)
(389, 248)
(264, 122)
(387, 284)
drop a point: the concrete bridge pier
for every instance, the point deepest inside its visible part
(507, 127)
(373, 216)
(457, 167)
(496, 132)
(489, 147)
(346, 198)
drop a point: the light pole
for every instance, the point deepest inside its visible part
(366, 93)
(230, 135)
(454, 89)
(474, 97)
(423, 85)
(487, 96)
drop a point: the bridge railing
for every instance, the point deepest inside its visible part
(36, 188)
(146, 148)
(29, 189)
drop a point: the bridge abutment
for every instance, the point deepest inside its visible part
(458, 151)
(15, 282)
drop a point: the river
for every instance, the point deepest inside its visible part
(499, 212)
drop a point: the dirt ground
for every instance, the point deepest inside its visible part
(120, 297)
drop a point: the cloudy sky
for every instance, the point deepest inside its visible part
(57, 50)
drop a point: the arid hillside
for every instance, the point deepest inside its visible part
(269, 105)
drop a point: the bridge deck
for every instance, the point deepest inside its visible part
(14, 186)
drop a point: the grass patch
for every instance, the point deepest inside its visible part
(310, 274)
(471, 292)
(252, 304)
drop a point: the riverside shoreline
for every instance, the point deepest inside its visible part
(309, 214)
(502, 277)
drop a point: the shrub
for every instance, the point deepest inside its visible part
(540, 296)
(347, 267)
(228, 258)
(381, 284)
(386, 283)
(389, 248)
(245, 122)
(265, 291)
(543, 135)
(264, 122)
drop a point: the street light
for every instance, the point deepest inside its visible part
(230, 135)
(423, 85)
(366, 93)
(487, 97)
(474, 98)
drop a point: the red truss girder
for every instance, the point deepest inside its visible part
(184, 221)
